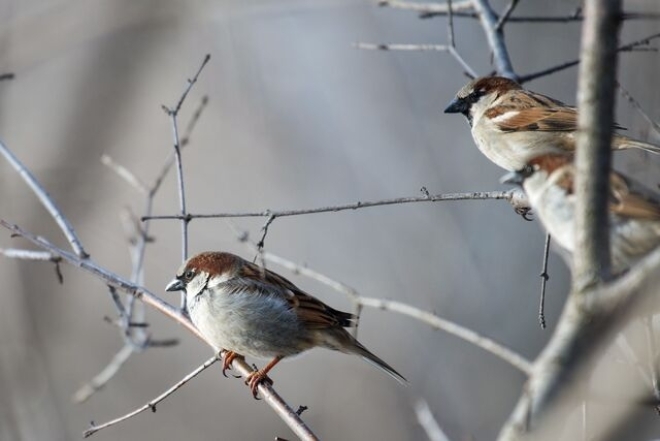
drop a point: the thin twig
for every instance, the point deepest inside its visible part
(450, 24)
(438, 8)
(428, 422)
(16, 253)
(544, 280)
(497, 349)
(151, 405)
(283, 410)
(45, 200)
(420, 47)
(102, 378)
(509, 195)
(401, 47)
(173, 114)
(635, 105)
(495, 38)
(545, 72)
(506, 15)
(7, 76)
(125, 174)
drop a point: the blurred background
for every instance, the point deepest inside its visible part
(297, 118)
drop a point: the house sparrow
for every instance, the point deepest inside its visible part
(247, 310)
(511, 125)
(634, 212)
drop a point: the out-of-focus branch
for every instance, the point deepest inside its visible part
(45, 200)
(283, 410)
(426, 419)
(514, 196)
(102, 378)
(596, 92)
(495, 38)
(593, 312)
(437, 8)
(588, 323)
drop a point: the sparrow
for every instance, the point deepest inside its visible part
(247, 310)
(634, 212)
(512, 125)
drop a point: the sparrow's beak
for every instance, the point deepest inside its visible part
(175, 285)
(457, 106)
(513, 178)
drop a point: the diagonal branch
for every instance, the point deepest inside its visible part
(45, 200)
(495, 38)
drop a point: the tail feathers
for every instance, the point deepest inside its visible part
(377, 362)
(628, 143)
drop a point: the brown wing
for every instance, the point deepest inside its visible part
(631, 203)
(532, 111)
(310, 310)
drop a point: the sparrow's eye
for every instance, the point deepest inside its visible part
(189, 274)
(474, 96)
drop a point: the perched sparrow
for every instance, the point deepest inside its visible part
(511, 125)
(634, 212)
(247, 310)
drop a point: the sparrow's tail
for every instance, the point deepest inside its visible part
(380, 364)
(340, 340)
(623, 142)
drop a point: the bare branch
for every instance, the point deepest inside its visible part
(544, 280)
(597, 80)
(466, 334)
(125, 174)
(283, 410)
(420, 47)
(589, 321)
(45, 200)
(506, 15)
(513, 196)
(436, 8)
(625, 48)
(427, 421)
(495, 38)
(152, 404)
(635, 105)
(102, 378)
(15, 253)
(173, 114)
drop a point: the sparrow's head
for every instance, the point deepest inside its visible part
(477, 91)
(202, 270)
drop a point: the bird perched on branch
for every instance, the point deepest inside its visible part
(511, 125)
(247, 310)
(634, 212)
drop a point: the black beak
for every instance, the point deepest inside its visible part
(513, 178)
(175, 285)
(457, 106)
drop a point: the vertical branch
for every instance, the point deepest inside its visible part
(173, 113)
(596, 85)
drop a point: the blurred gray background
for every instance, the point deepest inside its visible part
(297, 118)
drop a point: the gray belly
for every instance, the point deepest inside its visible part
(249, 324)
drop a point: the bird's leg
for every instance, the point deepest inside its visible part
(261, 375)
(226, 363)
